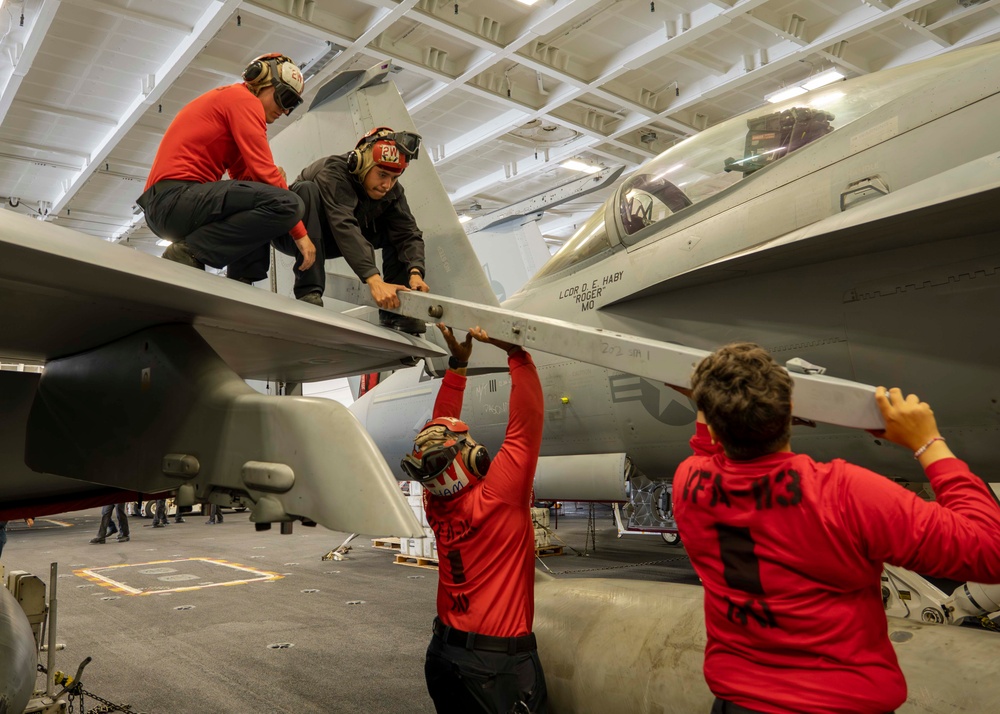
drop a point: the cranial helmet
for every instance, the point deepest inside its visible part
(385, 148)
(279, 71)
(445, 459)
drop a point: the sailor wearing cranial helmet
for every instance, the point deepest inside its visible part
(219, 223)
(354, 206)
(483, 656)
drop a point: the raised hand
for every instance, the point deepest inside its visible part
(459, 350)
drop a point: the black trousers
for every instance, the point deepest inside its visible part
(119, 510)
(224, 223)
(463, 681)
(314, 279)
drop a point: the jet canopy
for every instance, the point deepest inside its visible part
(720, 159)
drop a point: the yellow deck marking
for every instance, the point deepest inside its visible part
(105, 576)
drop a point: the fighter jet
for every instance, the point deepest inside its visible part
(852, 230)
(852, 227)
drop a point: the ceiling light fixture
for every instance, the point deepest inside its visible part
(786, 93)
(527, 2)
(464, 218)
(824, 78)
(577, 165)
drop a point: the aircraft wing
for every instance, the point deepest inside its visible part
(144, 391)
(959, 202)
(63, 294)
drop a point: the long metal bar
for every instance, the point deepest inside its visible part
(817, 397)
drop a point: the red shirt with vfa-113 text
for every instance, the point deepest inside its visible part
(485, 537)
(790, 552)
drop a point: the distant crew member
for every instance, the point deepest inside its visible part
(105, 528)
(228, 223)
(482, 657)
(790, 550)
(160, 513)
(355, 205)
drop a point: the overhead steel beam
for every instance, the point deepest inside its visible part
(540, 23)
(298, 24)
(205, 29)
(376, 28)
(547, 199)
(131, 14)
(525, 167)
(39, 28)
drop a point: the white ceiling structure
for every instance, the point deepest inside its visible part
(501, 91)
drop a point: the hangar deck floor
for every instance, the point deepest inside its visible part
(356, 629)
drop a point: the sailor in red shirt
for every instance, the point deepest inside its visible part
(790, 550)
(482, 657)
(228, 223)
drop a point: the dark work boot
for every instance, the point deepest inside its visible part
(180, 253)
(313, 298)
(410, 325)
(98, 541)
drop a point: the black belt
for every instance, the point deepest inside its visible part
(724, 706)
(472, 641)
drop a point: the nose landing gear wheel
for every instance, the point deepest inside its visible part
(673, 539)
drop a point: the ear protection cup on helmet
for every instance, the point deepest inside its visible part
(259, 71)
(477, 459)
(355, 159)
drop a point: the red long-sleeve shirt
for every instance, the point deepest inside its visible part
(225, 129)
(485, 538)
(790, 552)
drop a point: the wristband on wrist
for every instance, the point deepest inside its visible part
(418, 271)
(455, 363)
(919, 452)
(512, 349)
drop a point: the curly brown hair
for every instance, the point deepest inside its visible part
(747, 399)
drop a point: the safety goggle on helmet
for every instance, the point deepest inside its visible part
(280, 72)
(406, 142)
(445, 458)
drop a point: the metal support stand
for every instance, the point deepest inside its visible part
(591, 539)
(50, 659)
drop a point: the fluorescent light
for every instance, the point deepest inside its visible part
(527, 2)
(164, 243)
(786, 93)
(577, 165)
(823, 78)
(464, 219)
